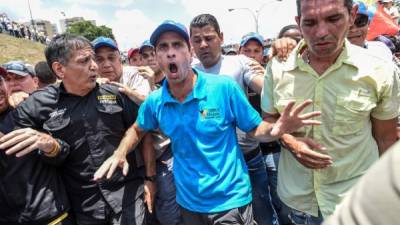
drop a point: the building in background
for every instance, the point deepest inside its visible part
(65, 23)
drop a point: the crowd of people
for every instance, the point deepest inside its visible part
(190, 133)
(20, 30)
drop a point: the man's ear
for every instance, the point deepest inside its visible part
(58, 69)
(221, 36)
(298, 19)
(353, 14)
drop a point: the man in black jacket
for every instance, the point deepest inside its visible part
(31, 192)
(92, 119)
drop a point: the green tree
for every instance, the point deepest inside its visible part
(89, 30)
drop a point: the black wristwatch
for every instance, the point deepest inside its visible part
(150, 178)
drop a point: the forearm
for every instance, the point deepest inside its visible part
(137, 97)
(149, 156)
(262, 132)
(129, 141)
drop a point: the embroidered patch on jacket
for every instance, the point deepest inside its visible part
(107, 99)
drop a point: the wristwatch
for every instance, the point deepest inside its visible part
(150, 178)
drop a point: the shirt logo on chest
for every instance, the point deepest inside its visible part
(57, 113)
(107, 99)
(212, 113)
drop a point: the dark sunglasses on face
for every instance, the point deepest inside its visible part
(361, 21)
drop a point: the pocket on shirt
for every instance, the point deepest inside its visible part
(56, 124)
(109, 109)
(350, 114)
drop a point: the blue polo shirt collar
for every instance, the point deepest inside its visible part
(199, 90)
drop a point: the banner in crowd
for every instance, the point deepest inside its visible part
(381, 23)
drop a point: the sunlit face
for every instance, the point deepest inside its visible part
(174, 57)
(324, 25)
(207, 44)
(253, 49)
(109, 63)
(80, 73)
(357, 33)
(148, 58)
(16, 83)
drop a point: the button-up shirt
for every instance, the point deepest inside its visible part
(93, 125)
(355, 88)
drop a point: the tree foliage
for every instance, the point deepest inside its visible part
(89, 30)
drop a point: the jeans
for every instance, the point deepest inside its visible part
(166, 208)
(236, 216)
(272, 162)
(301, 218)
(264, 213)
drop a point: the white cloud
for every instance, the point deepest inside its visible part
(272, 17)
(117, 3)
(131, 27)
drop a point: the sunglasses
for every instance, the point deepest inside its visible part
(361, 21)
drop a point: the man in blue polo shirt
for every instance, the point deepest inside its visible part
(199, 112)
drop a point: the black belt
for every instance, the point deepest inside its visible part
(270, 147)
(252, 153)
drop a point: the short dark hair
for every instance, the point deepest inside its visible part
(347, 3)
(286, 28)
(203, 20)
(61, 47)
(44, 73)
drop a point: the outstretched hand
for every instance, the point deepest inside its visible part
(307, 152)
(291, 120)
(110, 165)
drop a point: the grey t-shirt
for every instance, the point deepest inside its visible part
(237, 67)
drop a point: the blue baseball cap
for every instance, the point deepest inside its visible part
(363, 9)
(104, 42)
(145, 43)
(251, 36)
(169, 25)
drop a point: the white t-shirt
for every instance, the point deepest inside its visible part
(238, 68)
(379, 49)
(133, 80)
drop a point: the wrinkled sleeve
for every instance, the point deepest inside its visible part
(146, 118)
(267, 97)
(388, 97)
(247, 118)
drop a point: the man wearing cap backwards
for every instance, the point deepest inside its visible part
(358, 33)
(134, 57)
(207, 39)
(31, 191)
(358, 95)
(92, 119)
(212, 183)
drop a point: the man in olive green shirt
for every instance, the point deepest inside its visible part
(357, 94)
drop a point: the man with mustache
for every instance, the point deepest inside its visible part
(357, 94)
